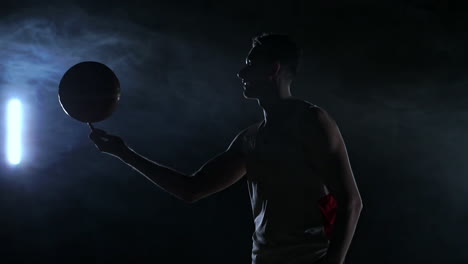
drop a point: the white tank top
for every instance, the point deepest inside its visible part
(284, 194)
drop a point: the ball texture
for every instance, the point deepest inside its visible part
(89, 92)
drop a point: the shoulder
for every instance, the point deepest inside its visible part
(319, 116)
(308, 113)
(297, 103)
(243, 138)
(315, 123)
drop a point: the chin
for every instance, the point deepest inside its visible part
(249, 95)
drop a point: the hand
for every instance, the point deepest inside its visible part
(106, 143)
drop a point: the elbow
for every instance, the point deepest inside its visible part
(356, 205)
(351, 207)
(358, 202)
(350, 204)
(190, 194)
(190, 199)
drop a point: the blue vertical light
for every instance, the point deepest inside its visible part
(14, 130)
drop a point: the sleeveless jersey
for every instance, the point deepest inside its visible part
(291, 206)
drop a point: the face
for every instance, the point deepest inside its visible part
(257, 75)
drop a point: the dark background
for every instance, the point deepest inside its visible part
(393, 75)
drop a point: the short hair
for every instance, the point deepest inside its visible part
(280, 47)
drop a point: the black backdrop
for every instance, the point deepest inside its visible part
(392, 74)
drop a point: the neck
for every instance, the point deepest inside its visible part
(271, 111)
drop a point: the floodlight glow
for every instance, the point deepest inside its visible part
(14, 127)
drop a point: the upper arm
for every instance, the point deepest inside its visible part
(328, 156)
(221, 171)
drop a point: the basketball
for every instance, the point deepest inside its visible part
(89, 92)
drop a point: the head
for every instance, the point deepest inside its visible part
(270, 67)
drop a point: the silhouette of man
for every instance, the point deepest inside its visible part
(299, 178)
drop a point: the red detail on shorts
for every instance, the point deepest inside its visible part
(328, 207)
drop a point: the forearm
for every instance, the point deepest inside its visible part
(168, 179)
(343, 232)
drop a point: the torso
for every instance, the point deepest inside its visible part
(283, 188)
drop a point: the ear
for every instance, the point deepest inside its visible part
(275, 70)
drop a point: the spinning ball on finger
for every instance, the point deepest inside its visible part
(89, 92)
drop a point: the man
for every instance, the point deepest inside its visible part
(294, 160)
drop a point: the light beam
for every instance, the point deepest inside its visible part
(14, 127)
